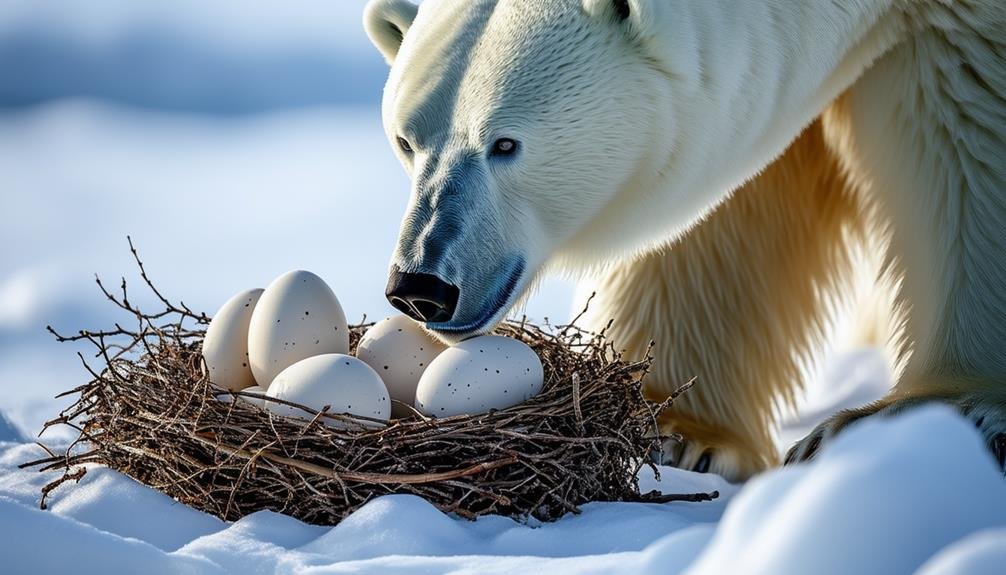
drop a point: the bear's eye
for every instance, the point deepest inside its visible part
(404, 145)
(504, 147)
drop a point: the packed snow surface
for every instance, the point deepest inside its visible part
(914, 494)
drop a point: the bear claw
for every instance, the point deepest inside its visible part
(704, 462)
(987, 414)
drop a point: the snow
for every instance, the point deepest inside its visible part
(880, 499)
(981, 553)
(40, 542)
(887, 497)
(857, 377)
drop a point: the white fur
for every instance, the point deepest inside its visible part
(744, 78)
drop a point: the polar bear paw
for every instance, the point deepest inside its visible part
(704, 449)
(986, 411)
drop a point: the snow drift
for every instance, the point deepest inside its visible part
(888, 497)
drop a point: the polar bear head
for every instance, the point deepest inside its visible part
(524, 127)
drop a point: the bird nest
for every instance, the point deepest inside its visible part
(150, 412)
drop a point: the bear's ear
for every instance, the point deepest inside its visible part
(386, 22)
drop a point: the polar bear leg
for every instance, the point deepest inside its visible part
(925, 126)
(736, 304)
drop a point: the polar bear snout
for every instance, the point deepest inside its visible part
(464, 246)
(455, 306)
(423, 297)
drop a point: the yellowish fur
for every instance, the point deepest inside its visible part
(738, 302)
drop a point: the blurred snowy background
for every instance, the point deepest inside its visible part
(232, 140)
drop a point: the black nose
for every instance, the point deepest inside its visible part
(423, 297)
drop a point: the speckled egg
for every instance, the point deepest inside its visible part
(298, 316)
(341, 382)
(399, 350)
(225, 346)
(479, 374)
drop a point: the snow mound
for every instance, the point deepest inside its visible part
(883, 498)
(110, 501)
(107, 501)
(983, 553)
(36, 541)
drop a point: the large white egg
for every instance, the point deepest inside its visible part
(298, 316)
(399, 350)
(479, 374)
(341, 382)
(225, 346)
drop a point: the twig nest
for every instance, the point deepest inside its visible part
(336, 383)
(150, 412)
(479, 374)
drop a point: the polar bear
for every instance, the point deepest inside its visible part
(714, 163)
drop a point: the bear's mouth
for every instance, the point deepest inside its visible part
(491, 312)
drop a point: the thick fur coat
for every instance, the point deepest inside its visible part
(714, 164)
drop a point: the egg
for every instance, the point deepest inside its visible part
(479, 374)
(342, 382)
(225, 345)
(399, 350)
(298, 316)
(254, 395)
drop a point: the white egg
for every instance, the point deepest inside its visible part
(254, 395)
(399, 350)
(341, 382)
(298, 316)
(479, 374)
(225, 346)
